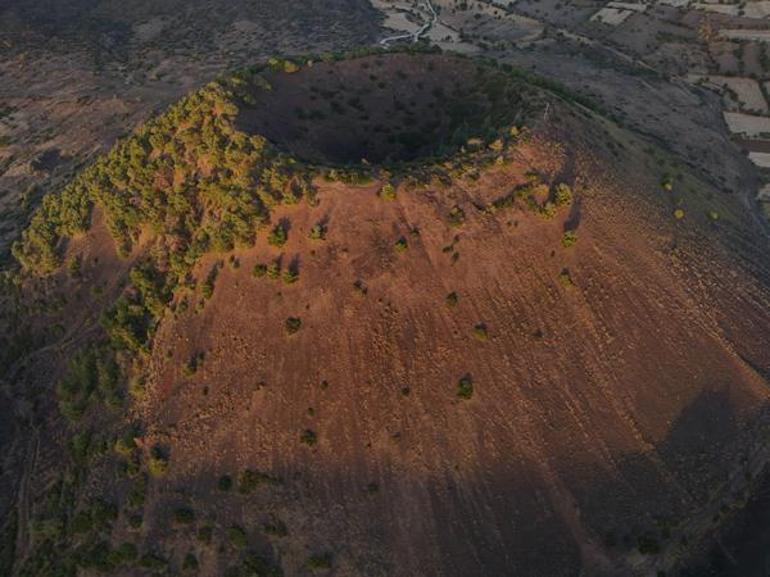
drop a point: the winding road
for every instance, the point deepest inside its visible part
(419, 33)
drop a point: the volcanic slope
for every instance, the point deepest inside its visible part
(510, 340)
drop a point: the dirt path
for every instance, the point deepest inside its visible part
(23, 497)
(415, 36)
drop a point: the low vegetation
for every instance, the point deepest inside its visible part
(465, 388)
(292, 325)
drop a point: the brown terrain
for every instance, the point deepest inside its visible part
(469, 391)
(619, 385)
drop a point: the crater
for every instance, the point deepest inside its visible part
(382, 109)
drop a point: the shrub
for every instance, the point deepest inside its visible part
(565, 278)
(125, 554)
(211, 279)
(548, 210)
(82, 522)
(237, 536)
(157, 464)
(562, 195)
(275, 528)
(250, 480)
(153, 562)
(190, 562)
(679, 214)
(322, 561)
(480, 332)
(274, 270)
(205, 533)
(360, 288)
(290, 276)
(648, 545)
(569, 239)
(452, 299)
(387, 192)
(318, 232)
(278, 236)
(73, 267)
(308, 437)
(194, 363)
(465, 388)
(124, 445)
(225, 483)
(184, 515)
(103, 513)
(136, 495)
(401, 245)
(257, 566)
(456, 216)
(292, 325)
(259, 270)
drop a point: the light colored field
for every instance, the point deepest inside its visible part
(635, 6)
(611, 16)
(398, 21)
(740, 34)
(761, 159)
(757, 10)
(449, 39)
(747, 90)
(747, 124)
(727, 9)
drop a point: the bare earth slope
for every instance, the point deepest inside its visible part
(462, 380)
(607, 415)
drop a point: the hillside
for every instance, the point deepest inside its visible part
(391, 314)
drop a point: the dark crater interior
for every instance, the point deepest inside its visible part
(384, 108)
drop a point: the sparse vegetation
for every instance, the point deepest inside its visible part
(225, 483)
(184, 516)
(465, 388)
(456, 216)
(259, 270)
(320, 562)
(157, 464)
(292, 325)
(308, 437)
(360, 288)
(278, 236)
(480, 332)
(290, 275)
(275, 528)
(274, 270)
(250, 480)
(565, 279)
(318, 232)
(387, 192)
(237, 537)
(569, 239)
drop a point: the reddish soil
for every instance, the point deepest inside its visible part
(620, 407)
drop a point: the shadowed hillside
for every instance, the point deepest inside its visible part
(528, 344)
